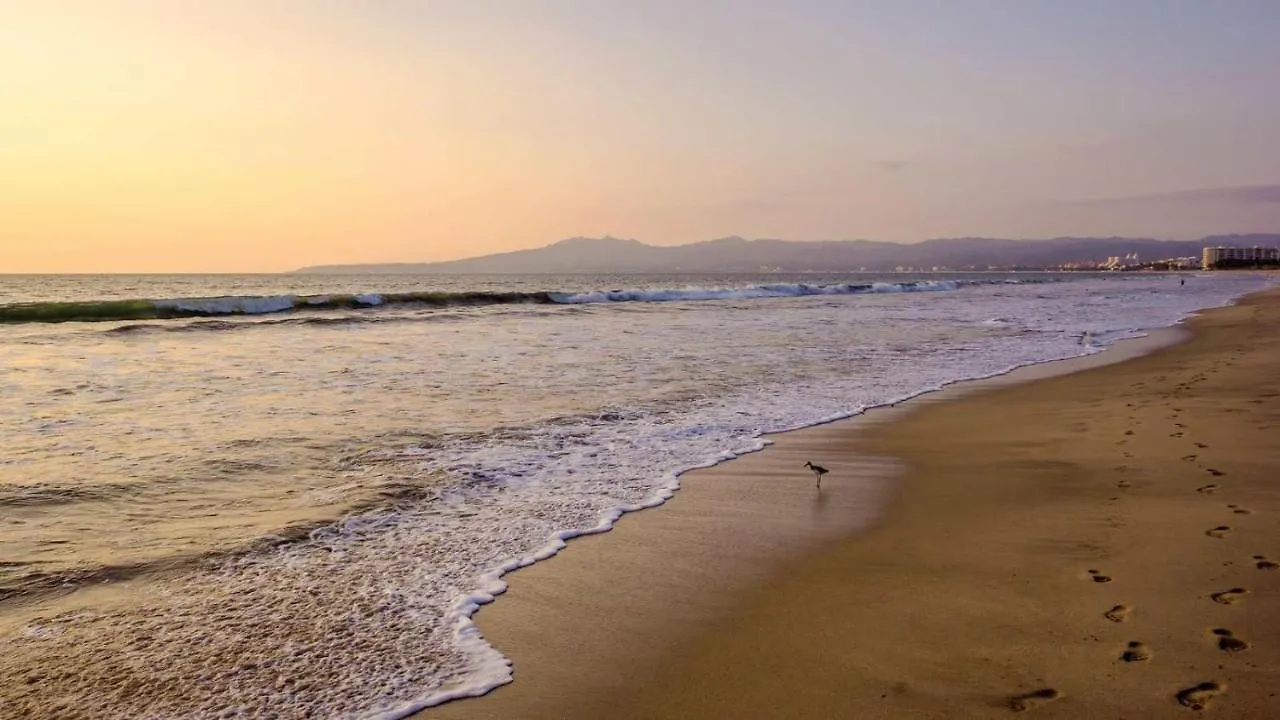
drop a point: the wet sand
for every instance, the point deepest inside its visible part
(1079, 541)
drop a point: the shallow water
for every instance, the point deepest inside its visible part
(311, 502)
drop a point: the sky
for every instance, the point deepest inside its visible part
(261, 136)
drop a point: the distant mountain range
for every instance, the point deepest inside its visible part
(735, 254)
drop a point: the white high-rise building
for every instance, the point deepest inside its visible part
(1214, 256)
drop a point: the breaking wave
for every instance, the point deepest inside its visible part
(174, 308)
(756, 291)
(140, 309)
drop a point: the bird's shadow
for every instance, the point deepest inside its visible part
(820, 499)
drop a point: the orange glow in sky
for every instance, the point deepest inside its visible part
(264, 136)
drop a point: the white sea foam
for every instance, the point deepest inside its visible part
(745, 293)
(230, 305)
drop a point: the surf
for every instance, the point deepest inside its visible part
(255, 305)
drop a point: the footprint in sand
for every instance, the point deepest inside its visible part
(1021, 703)
(1190, 458)
(1118, 614)
(1215, 473)
(1198, 697)
(1229, 597)
(1218, 532)
(1128, 432)
(1200, 445)
(1099, 577)
(1263, 563)
(1177, 434)
(1207, 489)
(1136, 652)
(1124, 484)
(1239, 510)
(1228, 642)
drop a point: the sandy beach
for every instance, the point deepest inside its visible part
(1097, 544)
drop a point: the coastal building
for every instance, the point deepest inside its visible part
(1215, 257)
(1117, 262)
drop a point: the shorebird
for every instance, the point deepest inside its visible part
(818, 472)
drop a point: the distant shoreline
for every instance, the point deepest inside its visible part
(738, 255)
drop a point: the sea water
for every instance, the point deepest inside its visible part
(307, 485)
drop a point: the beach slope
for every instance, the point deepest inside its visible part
(1098, 544)
(1102, 544)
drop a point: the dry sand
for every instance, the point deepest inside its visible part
(1098, 542)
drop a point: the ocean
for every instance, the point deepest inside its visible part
(284, 496)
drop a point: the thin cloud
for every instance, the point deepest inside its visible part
(1238, 195)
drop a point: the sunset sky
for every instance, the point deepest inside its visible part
(175, 135)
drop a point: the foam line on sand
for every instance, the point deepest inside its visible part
(1042, 529)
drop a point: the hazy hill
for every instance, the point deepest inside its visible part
(735, 254)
